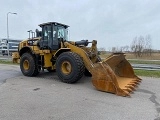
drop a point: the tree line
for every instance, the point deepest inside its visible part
(140, 46)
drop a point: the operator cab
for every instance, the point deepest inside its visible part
(52, 35)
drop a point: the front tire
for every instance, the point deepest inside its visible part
(28, 65)
(69, 67)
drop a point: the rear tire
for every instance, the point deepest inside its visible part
(28, 65)
(70, 67)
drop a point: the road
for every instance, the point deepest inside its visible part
(46, 98)
(8, 71)
(135, 66)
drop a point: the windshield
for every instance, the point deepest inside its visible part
(62, 32)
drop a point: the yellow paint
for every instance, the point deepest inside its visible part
(114, 74)
(26, 64)
(47, 60)
(66, 67)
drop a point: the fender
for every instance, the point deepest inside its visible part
(61, 50)
(25, 49)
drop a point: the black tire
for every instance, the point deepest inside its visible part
(37, 70)
(31, 69)
(77, 67)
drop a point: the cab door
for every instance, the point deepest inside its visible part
(47, 37)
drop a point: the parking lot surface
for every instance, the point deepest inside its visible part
(45, 97)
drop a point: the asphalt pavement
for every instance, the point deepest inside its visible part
(8, 71)
(46, 98)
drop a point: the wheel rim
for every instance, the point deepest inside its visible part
(66, 67)
(26, 64)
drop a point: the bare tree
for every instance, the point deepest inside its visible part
(134, 45)
(127, 48)
(102, 50)
(113, 49)
(137, 46)
(141, 46)
(117, 49)
(148, 47)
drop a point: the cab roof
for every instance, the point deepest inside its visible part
(55, 23)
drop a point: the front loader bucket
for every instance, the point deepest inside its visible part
(115, 75)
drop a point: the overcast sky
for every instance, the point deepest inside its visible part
(113, 23)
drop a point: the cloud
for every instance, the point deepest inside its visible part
(112, 22)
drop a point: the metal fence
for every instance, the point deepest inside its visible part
(146, 66)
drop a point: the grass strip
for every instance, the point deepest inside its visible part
(148, 73)
(144, 62)
(7, 62)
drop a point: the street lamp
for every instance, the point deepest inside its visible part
(8, 32)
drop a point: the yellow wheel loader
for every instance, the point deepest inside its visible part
(50, 49)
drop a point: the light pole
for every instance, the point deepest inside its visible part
(8, 32)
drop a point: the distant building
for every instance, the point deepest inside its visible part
(13, 46)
